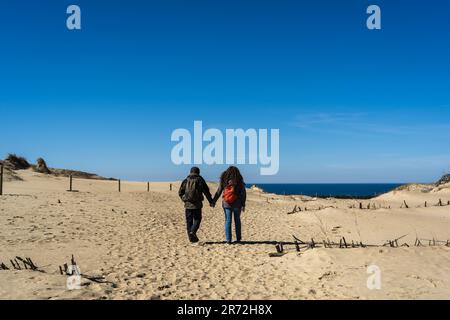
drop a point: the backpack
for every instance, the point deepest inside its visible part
(229, 194)
(193, 192)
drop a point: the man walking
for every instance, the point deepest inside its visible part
(191, 193)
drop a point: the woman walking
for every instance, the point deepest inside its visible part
(232, 187)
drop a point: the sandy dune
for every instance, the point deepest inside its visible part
(137, 240)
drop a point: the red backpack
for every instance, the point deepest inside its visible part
(229, 194)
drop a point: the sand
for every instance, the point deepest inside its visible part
(137, 241)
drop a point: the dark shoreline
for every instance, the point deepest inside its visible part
(356, 191)
(343, 197)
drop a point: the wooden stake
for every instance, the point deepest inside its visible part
(279, 248)
(70, 183)
(148, 186)
(25, 262)
(345, 242)
(119, 186)
(297, 246)
(33, 266)
(1, 179)
(418, 243)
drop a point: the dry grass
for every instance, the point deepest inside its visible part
(14, 162)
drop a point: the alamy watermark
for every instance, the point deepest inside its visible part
(374, 280)
(234, 146)
(374, 20)
(73, 21)
(74, 279)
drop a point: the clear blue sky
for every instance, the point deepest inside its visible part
(352, 105)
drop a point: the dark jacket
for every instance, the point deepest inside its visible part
(241, 193)
(203, 189)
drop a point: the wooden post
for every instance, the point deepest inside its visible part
(279, 248)
(70, 183)
(1, 179)
(344, 242)
(297, 246)
(405, 204)
(148, 186)
(119, 186)
(170, 187)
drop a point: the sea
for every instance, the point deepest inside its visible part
(336, 190)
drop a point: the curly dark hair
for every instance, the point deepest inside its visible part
(231, 174)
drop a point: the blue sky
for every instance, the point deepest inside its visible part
(352, 105)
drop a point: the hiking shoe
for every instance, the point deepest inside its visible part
(193, 237)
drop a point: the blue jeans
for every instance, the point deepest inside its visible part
(229, 213)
